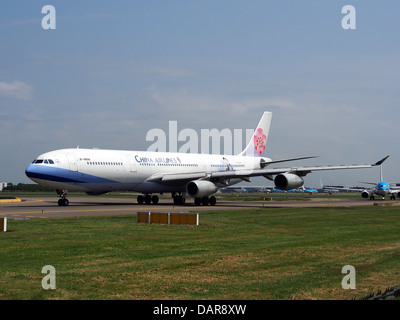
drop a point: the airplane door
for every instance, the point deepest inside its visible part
(73, 163)
(131, 163)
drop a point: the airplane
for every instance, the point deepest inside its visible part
(251, 189)
(310, 191)
(382, 188)
(234, 189)
(98, 171)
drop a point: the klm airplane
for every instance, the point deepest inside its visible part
(97, 171)
(382, 188)
(309, 190)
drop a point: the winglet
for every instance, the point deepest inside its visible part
(381, 161)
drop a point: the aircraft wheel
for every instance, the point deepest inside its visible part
(154, 199)
(140, 199)
(179, 200)
(147, 199)
(213, 201)
(205, 201)
(63, 202)
(197, 201)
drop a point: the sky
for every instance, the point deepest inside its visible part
(113, 70)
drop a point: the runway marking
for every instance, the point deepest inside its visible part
(72, 211)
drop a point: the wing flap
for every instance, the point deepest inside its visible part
(169, 178)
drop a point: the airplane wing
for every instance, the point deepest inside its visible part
(370, 183)
(176, 179)
(300, 171)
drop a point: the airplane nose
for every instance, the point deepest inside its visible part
(30, 171)
(34, 171)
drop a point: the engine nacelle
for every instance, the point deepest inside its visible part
(365, 194)
(288, 181)
(398, 194)
(200, 188)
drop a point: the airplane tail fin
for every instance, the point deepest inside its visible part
(257, 144)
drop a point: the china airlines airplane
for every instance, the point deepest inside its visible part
(97, 171)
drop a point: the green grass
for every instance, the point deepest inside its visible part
(288, 253)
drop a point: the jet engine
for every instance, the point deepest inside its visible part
(288, 181)
(365, 194)
(200, 188)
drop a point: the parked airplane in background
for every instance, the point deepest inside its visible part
(310, 191)
(97, 171)
(382, 188)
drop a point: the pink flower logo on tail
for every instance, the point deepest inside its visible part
(259, 141)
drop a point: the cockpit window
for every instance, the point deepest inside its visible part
(47, 161)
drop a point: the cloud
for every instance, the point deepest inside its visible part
(15, 90)
(182, 99)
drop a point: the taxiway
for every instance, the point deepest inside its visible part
(47, 207)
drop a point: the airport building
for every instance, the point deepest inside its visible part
(3, 185)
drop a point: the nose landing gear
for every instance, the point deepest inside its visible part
(63, 201)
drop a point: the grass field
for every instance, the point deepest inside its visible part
(295, 253)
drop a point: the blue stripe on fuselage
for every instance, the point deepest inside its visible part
(62, 175)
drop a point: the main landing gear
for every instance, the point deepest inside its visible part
(205, 201)
(63, 201)
(147, 199)
(178, 198)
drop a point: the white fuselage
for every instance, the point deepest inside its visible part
(99, 171)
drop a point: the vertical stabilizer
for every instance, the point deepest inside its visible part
(257, 144)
